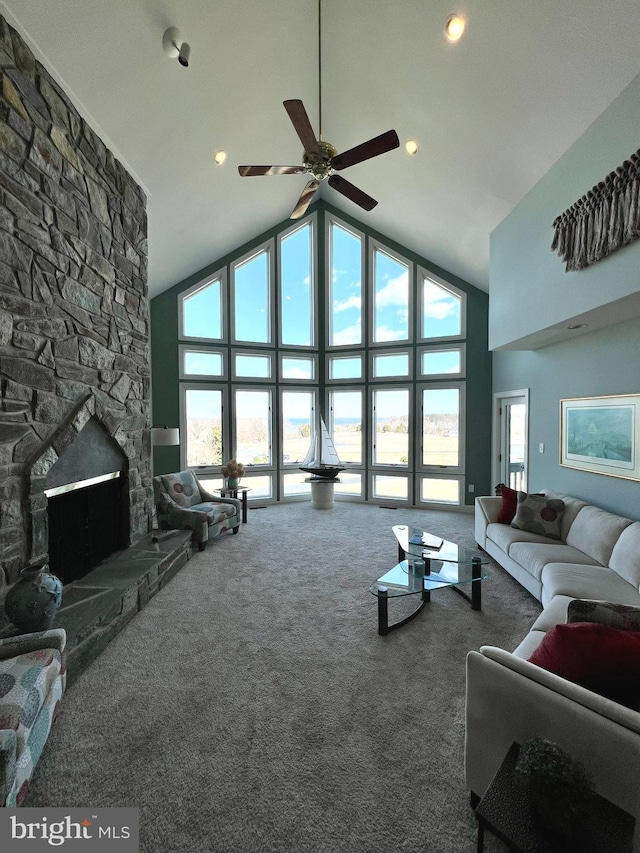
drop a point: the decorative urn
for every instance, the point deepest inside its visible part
(33, 601)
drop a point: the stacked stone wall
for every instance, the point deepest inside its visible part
(74, 310)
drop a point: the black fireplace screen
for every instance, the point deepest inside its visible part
(86, 525)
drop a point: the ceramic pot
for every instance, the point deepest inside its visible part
(33, 601)
(233, 482)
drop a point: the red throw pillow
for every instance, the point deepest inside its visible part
(509, 505)
(603, 659)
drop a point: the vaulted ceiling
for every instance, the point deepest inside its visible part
(491, 114)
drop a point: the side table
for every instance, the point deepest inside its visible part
(506, 811)
(241, 491)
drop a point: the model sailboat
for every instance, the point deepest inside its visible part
(321, 459)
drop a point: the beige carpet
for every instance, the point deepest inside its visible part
(252, 705)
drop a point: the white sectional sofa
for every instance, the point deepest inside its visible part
(510, 699)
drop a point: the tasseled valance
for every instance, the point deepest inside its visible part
(603, 220)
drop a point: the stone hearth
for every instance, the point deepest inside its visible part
(98, 606)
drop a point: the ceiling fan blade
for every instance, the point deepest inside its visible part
(302, 125)
(378, 145)
(305, 200)
(352, 192)
(251, 171)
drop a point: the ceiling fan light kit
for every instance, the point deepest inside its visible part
(174, 46)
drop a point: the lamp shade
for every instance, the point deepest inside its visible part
(165, 436)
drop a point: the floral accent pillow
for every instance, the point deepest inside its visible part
(539, 514)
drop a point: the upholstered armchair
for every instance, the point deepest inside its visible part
(183, 504)
(32, 677)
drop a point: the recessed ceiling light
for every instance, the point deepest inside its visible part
(578, 326)
(412, 147)
(219, 157)
(454, 28)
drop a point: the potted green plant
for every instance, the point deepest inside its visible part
(559, 787)
(232, 472)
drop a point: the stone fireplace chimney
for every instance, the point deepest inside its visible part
(74, 311)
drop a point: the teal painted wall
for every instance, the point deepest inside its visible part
(603, 362)
(164, 351)
(530, 289)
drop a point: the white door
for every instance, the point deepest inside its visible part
(512, 430)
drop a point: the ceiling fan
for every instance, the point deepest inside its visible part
(320, 159)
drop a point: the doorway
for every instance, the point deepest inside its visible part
(511, 438)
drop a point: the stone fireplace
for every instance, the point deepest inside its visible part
(74, 318)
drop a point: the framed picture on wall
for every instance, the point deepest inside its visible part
(602, 435)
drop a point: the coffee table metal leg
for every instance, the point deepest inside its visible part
(426, 593)
(476, 584)
(244, 507)
(383, 613)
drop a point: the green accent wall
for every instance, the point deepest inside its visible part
(164, 348)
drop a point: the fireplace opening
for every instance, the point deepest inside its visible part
(88, 521)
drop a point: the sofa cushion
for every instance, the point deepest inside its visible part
(625, 557)
(539, 514)
(215, 512)
(182, 488)
(504, 536)
(534, 556)
(586, 581)
(598, 657)
(528, 646)
(572, 507)
(595, 532)
(555, 613)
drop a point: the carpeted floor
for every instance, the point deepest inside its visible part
(252, 705)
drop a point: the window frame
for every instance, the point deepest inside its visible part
(315, 402)
(271, 389)
(342, 354)
(331, 219)
(221, 276)
(420, 467)
(377, 246)
(423, 273)
(389, 467)
(183, 349)
(203, 386)
(302, 356)
(342, 389)
(401, 377)
(268, 354)
(447, 347)
(268, 246)
(312, 221)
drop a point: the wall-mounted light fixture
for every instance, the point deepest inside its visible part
(173, 46)
(164, 436)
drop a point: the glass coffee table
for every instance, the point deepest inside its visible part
(422, 569)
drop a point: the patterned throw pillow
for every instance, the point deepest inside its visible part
(622, 616)
(539, 514)
(182, 488)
